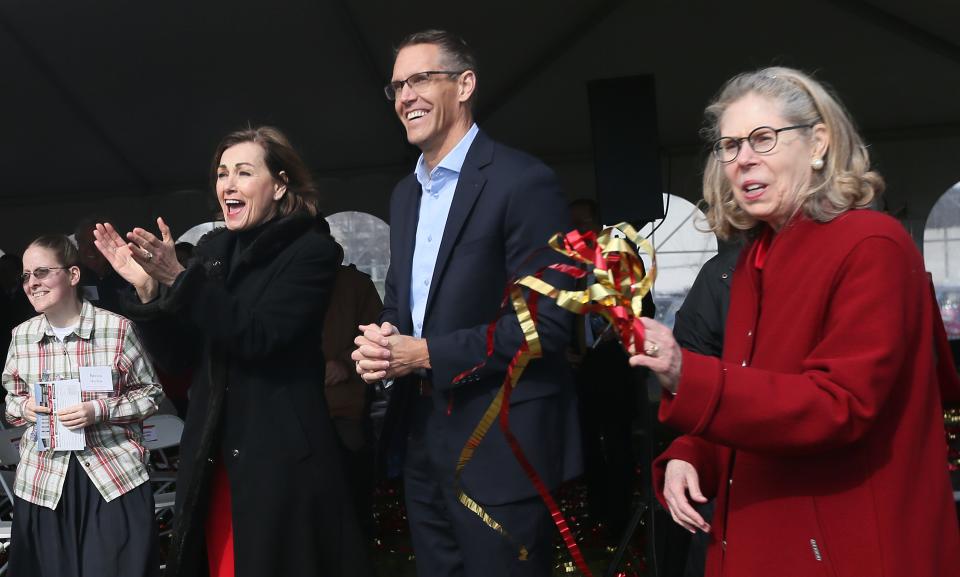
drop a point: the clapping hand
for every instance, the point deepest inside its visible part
(143, 260)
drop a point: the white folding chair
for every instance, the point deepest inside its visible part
(162, 432)
(9, 457)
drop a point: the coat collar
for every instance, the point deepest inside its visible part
(469, 186)
(277, 235)
(83, 330)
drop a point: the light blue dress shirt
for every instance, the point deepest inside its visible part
(437, 188)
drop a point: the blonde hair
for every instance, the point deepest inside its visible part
(845, 182)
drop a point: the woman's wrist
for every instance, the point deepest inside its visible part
(148, 291)
(172, 278)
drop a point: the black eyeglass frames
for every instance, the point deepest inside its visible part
(761, 139)
(417, 82)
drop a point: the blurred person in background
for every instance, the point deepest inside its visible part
(99, 283)
(353, 302)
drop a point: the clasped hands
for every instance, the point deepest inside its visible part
(383, 353)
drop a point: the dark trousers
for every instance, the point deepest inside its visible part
(449, 540)
(607, 392)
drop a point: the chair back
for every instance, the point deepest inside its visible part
(10, 445)
(162, 431)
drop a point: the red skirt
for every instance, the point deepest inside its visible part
(220, 526)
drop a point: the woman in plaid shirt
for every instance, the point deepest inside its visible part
(90, 511)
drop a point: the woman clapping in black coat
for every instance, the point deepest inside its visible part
(260, 484)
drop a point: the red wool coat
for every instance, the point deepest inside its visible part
(820, 433)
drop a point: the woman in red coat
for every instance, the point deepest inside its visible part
(820, 432)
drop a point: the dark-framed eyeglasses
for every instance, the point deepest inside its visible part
(39, 273)
(761, 139)
(417, 82)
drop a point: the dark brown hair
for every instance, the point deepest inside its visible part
(455, 53)
(302, 194)
(62, 248)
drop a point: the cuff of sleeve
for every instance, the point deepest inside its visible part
(100, 410)
(133, 309)
(180, 294)
(702, 381)
(442, 380)
(692, 450)
(14, 410)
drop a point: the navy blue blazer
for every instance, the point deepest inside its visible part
(507, 205)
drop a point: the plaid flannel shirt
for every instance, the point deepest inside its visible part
(114, 457)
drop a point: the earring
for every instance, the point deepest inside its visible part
(817, 163)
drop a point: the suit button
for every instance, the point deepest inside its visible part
(209, 459)
(730, 481)
(724, 544)
(749, 333)
(235, 452)
(743, 363)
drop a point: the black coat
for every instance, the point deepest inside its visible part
(701, 321)
(257, 403)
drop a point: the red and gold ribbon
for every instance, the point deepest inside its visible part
(951, 420)
(617, 294)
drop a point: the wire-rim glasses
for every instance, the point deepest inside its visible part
(761, 139)
(40, 273)
(417, 82)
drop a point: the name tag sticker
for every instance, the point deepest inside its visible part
(96, 379)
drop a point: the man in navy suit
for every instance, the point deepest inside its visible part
(462, 226)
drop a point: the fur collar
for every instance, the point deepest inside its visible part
(276, 236)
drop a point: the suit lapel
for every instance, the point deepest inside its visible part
(407, 223)
(469, 186)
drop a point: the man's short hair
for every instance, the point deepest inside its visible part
(457, 54)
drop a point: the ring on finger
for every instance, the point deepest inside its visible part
(651, 349)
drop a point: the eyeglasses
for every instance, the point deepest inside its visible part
(40, 273)
(762, 139)
(417, 82)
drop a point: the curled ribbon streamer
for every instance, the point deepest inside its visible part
(617, 296)
(621, 282)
